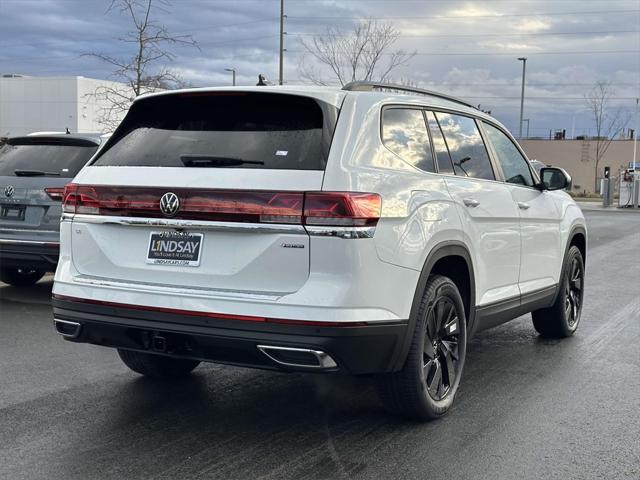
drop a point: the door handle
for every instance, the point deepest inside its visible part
(523, 206)
(470, 202)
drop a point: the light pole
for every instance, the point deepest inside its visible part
(281, 63)
(635, 136)
(524, 68)
(233, 73)
(526, 120)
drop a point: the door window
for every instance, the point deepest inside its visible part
(513, 164)
(405, 134)
(439, 145)
(467, 150)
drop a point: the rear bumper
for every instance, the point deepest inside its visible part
(362, 349)
(29, 254)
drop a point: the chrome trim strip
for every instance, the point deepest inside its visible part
(5, 241)
(193, 291)
(324, 360)
(341, 232)
(75, 334)
(29, 230)
(191, 224)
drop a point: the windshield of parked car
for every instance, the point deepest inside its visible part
(31, 156)
(224, 130)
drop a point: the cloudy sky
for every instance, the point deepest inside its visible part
(465, 48)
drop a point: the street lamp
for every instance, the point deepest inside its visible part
(524, 67)
(233, 72)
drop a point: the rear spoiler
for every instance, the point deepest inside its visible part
(63, 140)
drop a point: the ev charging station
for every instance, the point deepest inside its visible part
(606, 188)
(629, 187)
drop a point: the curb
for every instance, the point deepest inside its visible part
(587, 206)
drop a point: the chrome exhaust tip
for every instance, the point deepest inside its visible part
(66, 328)
(298, 357)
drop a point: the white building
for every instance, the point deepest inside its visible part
(29, 104)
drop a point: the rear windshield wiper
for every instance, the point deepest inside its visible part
(196, 160)
(34, 173)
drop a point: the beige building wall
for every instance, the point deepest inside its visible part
(578, 158)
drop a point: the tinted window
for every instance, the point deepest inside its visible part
(47, 156)
(467, 150)
(405, 134)
(222, 129)
(439, 145)
(513, 164)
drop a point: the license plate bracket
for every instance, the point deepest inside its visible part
(15, 213)
(175, 248)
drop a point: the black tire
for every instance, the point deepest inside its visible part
(157, 366)
(561, 319)
(440, 340)
(20, 277)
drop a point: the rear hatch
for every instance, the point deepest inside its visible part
(33, 172)
(202, 190)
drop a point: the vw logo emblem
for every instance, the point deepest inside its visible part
(169, 204)
(9, 191)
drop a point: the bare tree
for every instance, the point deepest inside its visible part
(360, 54)
(145, 69)
(608, 124)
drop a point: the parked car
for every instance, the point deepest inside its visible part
(367, 230)
(537, 165)
(33, 172)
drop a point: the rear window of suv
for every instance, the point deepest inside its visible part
(224, 129)
(52, 156)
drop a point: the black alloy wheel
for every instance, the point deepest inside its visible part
(426, 386)
(440, 351)
(573, 292)
(561, 319)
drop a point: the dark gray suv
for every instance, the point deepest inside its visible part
(33, 172)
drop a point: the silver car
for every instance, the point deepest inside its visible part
(33, 172)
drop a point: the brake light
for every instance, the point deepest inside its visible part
(69, 198)
(55, 193)
(347, 209)
(341, 209)
(80, 199)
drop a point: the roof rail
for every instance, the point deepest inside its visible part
(362, 86)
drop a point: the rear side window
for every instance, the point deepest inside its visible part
(35, 156)
(224, 129)
(439, 145)
(513, 164)
(404, 132)
(467, 150)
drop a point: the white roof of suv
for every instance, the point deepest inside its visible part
(335, 95)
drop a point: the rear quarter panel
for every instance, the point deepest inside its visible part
(417, 211)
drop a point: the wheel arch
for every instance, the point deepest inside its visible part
(578, 237)
(452, 259)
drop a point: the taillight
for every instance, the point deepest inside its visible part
(55, 193)
(69, 198)
(333, 209)
(343, 209)
(242, 206)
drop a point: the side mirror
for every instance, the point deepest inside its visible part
(554, 178)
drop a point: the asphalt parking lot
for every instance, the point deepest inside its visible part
(527, 407)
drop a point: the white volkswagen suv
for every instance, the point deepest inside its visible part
(366, 230)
